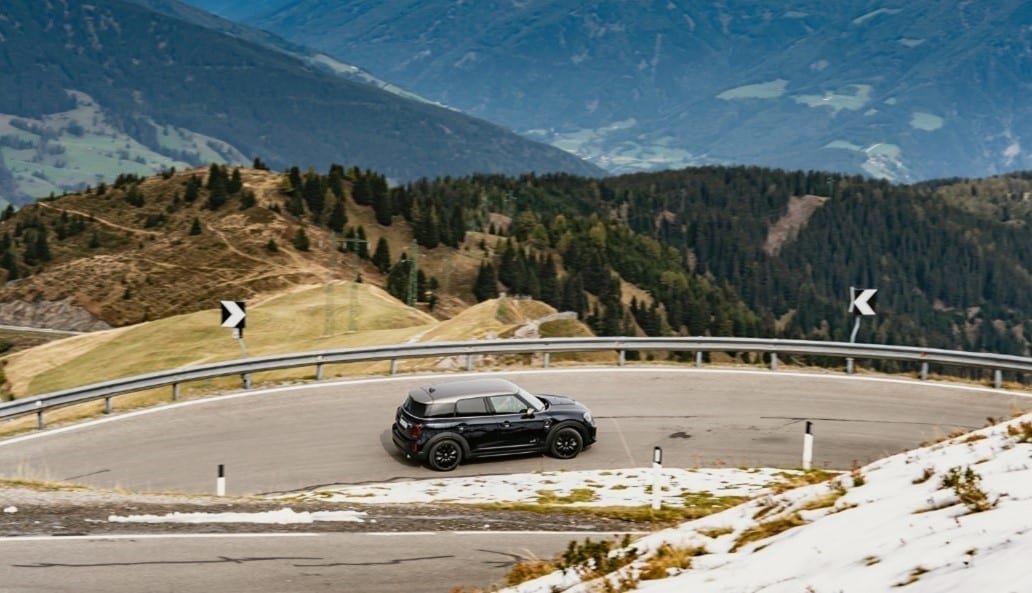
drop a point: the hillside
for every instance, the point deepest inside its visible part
(953, 516)
(107, 87)
(905, 91)
(710, 251)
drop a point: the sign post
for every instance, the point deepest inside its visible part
(861, 304)
(234, 315)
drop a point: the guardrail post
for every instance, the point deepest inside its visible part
(849, 366)
(107, 405)
(547, 359)
(997, 378)
(318, 372)
(924, 371)
(698, 359)
(39, 415)
(175, 392)
(247, 380)
(469, 362)
(623, 358)
(394, 366)
(773, 361)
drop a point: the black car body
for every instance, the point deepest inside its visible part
(445, 423)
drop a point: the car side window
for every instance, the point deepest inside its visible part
(474, 406)
(507, 404)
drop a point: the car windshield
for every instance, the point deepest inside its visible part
(533, 400)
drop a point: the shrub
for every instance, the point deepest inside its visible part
(768, 529)
(1023, 431)
(527, 570)
(965, 483)
(669, 560)
(593, 559)
(927, 473)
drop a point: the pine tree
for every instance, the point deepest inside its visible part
(301, 241)
(486, 284)
(193, 189)
(259, 165)
(271, 246)
(235, 182)
(362, 247)
(382, 208)
(382, 256)
(195, 227)
(338, 216)
(398, 278)
(10, 263)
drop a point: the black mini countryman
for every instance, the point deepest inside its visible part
(445, 423)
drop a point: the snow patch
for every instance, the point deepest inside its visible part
(281, 517)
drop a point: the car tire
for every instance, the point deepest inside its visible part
(444, 455)
(565, 442)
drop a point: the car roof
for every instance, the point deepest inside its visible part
(456, 390)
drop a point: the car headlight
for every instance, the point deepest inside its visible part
(588, 418)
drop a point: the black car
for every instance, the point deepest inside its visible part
(445, 423)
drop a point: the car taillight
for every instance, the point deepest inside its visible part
(415, 431)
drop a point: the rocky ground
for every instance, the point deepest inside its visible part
(35, 511)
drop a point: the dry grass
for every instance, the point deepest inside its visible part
(768, 529)
(788, 481)
(669, 560)
(528, 570)
(292, 322)
(715, 532)
(549, 497)
(40, 485)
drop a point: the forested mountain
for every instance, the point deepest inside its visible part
(92, 89)
(900, 90)
(710, 251)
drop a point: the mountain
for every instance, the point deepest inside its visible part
(903, 91)
(105, 87)
(718, 251)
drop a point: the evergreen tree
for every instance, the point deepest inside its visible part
(314, 193)
(382, 256)
(301, 241)
(10, 263)
(235, 182)
(362, 245)
(338, 216)
(259, 165)
(195, 227)
(217, 192)
(271, 246)
(382, 208)
(193, 189)
(486, 284)
(398, 279)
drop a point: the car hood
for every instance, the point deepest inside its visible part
(559, 400)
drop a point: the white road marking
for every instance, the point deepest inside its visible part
(126, 536)
(146, 536)
(594, 370)
(623, 441)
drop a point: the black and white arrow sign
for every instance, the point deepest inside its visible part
(233, 314)
(863, 301)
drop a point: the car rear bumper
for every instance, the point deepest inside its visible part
(407, 446)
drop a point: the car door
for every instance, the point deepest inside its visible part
(518, 428)
(475, 423)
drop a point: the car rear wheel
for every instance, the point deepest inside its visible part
(444, 455)
(565, 443)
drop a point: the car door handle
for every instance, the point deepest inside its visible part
(506, 424)
(462, 427)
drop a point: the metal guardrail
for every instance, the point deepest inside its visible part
(245, 367)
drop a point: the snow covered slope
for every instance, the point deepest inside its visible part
(955, 516)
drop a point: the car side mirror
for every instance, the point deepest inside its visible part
(528, 413)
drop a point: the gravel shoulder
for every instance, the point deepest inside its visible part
(73, 511)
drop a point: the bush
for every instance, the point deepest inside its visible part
(965, 483)
(1023, 431)
(593, 559)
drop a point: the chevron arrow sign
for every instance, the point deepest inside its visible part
(863, 301)
(233, 314)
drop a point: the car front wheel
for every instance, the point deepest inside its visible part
(444, 455)
(565, 443)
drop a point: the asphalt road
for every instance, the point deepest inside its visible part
(283, 563)
(299, 437)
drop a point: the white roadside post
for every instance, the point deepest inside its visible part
(808, 446)
(220, 482)
(657, 478)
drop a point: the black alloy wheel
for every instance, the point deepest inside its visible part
(567, 442)
(444, 455)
